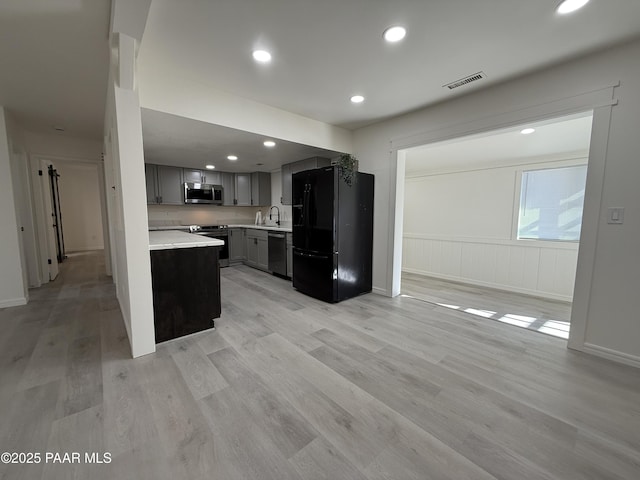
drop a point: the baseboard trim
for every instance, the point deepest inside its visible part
(13, 302)
(380, 291)
(497, 286)
(609, 354)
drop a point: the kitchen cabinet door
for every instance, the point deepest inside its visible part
(252, 251)
(151, 180)
(257, 249)
(212, 178)
(243, 189)
(289, 255)
(260, 189)
(237, 245)
(191, 175)
(170, 185)
(285, 199)
(228, 188)
(263, 254)
(186, 290)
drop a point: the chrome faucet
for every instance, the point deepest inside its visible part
(278, 214)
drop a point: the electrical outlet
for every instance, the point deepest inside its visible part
(615, 215)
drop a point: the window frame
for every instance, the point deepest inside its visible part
(551, 165)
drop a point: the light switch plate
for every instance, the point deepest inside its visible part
(615, 215)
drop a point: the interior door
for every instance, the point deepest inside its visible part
(49, 228)
(57, 213)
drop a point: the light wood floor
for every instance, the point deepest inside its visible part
(533, 313)
(288, 387)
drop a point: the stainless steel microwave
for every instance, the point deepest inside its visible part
(203, 193)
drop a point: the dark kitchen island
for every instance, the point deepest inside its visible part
(186, 283)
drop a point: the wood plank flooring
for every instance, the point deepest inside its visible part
(551, 317)
(288, 387)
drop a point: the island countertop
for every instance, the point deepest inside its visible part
(168, 239)
(275, 228)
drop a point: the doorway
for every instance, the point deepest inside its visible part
(492, 222)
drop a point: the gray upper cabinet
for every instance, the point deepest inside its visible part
(191, 175)
(228, 183)
(260, 189)
(213, 178)
(164, 184)
(150, 176)
(285, 199)
(243, 189)
(170, 185)
(202, 176)
(289, 169)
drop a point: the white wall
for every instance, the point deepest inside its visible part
(79, 186)
(124, 177)
(12, 276)
(604, 312)
(176, 94)
(63, 145)
(461, 226)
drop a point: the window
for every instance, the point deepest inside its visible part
(551, 203)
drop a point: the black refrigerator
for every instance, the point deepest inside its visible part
(332, 234)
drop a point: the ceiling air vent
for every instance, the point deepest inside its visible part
(465, 80)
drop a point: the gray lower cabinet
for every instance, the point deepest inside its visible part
(164, 184)
(289, 255)
(257, 242)
(243, 189)
(237, 245)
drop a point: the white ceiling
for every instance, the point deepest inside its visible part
(54, 63)
(179, 141)
(324, 51)
(563, 137)
(54, 53)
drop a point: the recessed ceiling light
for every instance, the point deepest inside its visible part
(261, 56)
(211, 167)
(568, 6)
(232, 158)
(394, 34)
(527, 131)
(269, 143)
(357, 99)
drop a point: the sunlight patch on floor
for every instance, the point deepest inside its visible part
(557, 328)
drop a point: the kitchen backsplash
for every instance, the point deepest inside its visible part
(160, 215)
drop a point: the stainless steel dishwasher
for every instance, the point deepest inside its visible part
(278, 253)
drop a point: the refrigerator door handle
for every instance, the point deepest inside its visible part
(309, 255)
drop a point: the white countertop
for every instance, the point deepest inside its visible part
(169, 227)
(167, 239)
(263, 227)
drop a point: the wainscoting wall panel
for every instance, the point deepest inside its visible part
(545, 269)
